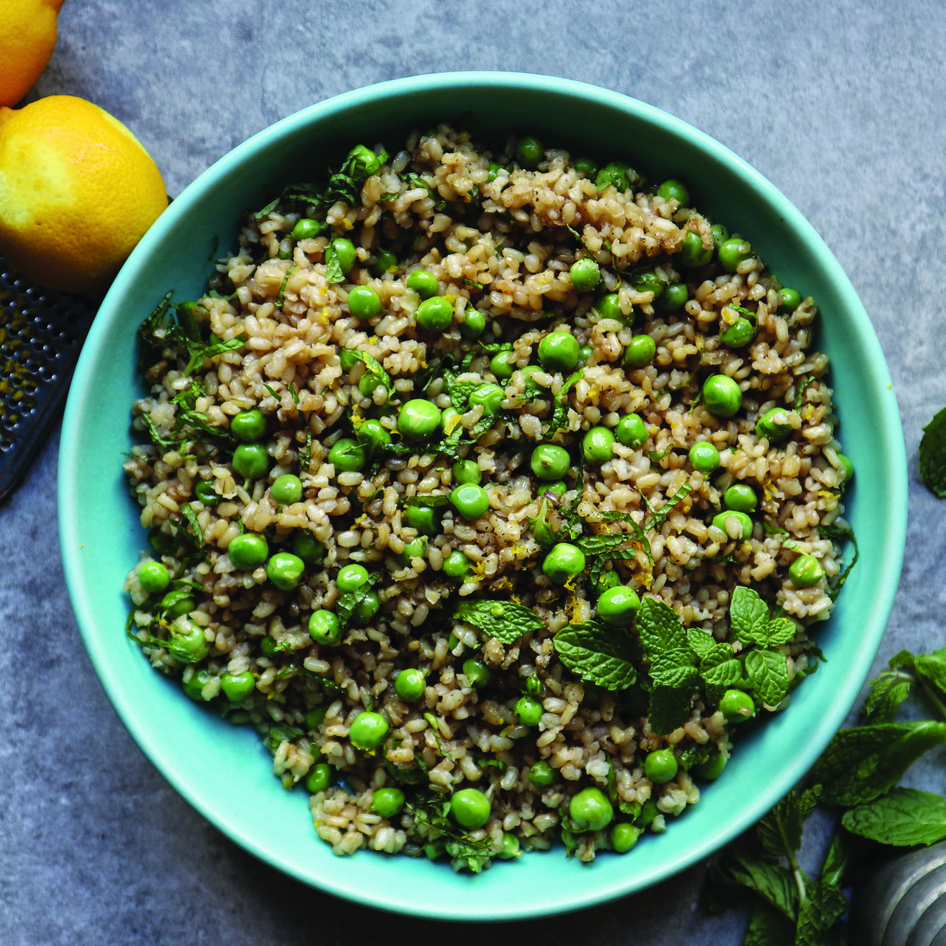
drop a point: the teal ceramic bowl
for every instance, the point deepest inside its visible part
(224, 771)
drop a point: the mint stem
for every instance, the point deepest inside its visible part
(797, 872)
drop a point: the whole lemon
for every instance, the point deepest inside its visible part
(77, 192)
(27, 38)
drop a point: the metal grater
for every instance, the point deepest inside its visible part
(41, 335)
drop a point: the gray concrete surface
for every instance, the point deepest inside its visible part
(842, 106)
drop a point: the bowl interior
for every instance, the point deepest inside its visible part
(224, 771)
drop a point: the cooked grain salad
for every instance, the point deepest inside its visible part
(495, 490)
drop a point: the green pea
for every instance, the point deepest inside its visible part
(648, 812)
(416, 548)
(623, 837)
(739, 334)
(470, 500)
(585, 353)
(563, 562)
(494, 170)
(644, 279)
(618, 605)
(591, 810)
(532, 386)
(805, 571)
(248, 551)
(693, 254)
(319, 778)
(466, 471)
(586, 167)
(732, 252)
(528, 710)
(174, 606)
(741, 497)
(704, 456)
(368, 730)
(347, 456)
(773, 425)
(674, 297)
(410, 685)
(789, 299)
(373, 434)
(306, 229)
(351, 577)
(640, 351)
(596, 446)
(386, 262)
(736, 706)
(251, 460)
(542, 774)
(470, 808)
(153, 577)
(344, 251)
(721, 521)
(631, 431)
(186, 641)
(660, 766)
(848, 468)
(418, 420)
(435, 849)
(712, 768)
(559, 488)
(248, 426)
(268, 646)
(205, 492)
(287, 489)
(423, 283)
(450, 421)
(585, 274)
(366, 609)
(434, 314)
(456, 565)
(609, 308)
(237, 686)
(347, 359)
(608, 580)
(499, 365)
(672, 189)
(550, 461)
(615, 173)
(489, 395)
(529, 152)
(473, 324)
(510, 847)
(324, 627)
(387, 802)
(161, 542)
(720, 234)
(196, 683)
(721, 395)
(558, 351)
(477, 673)
(284, 570)
(307, 547)
(423, 519)
(533, 685)
(363, 302)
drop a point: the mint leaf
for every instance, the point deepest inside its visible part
(769, 927)
(779, 631)
(824, 905)
(267, 210)
(558, 420)
(669, 709)
(720, 670)
(768, 672)
(602, 543)
(933, 454)
(885, 698)
(671, 670)
(749, 615)
(428, 502)
(333, 266)
(372, 366)
(701, 642)
(660, 628)
(779, 832)
(863, 762)
(775, 885)
(199, 352)
(606, 656)
(903, 817)
(837, 860)
(933, 669)
(504, 620)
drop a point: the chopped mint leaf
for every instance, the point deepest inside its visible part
(333, 266)
(198, 534)
(542, 532)
(282, 286)
(661, 514)
(162, 441)
(187, 399)
(559, 418)
(605, 656)
(267, 210)
(199, 352)
(372, 366)
(504, 620)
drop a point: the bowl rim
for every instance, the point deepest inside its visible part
(69, 500)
